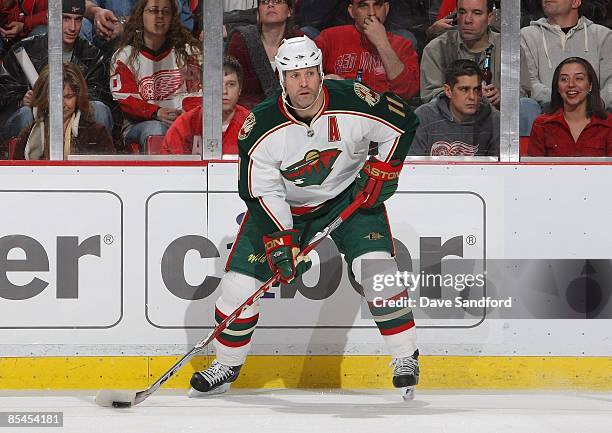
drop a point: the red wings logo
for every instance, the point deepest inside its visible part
(160, 85)
(456, 148)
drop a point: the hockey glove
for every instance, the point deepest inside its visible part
(283, 254)
(378, 179)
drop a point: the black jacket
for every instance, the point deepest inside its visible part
(14, 84)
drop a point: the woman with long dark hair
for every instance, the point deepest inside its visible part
(255, 47)
(155, 72)
(576, 124)
(81, 133)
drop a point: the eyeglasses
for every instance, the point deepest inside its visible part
(274, 2)
(166, 12)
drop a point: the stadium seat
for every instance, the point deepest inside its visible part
(524, 146)
(153, 146)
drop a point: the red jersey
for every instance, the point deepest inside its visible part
(551, 136)
(179, 138)
(345, 51)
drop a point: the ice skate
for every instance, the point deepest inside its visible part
(406, 374)
(215, 380)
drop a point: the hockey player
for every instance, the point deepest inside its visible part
(303, 158)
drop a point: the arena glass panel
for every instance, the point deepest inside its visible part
(533, 52)
(123, 147)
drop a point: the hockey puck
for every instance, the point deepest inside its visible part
(121, 404)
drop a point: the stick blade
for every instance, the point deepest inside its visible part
(115, 398)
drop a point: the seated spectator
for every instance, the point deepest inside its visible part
(155, 73)
(445, 18)
(388, 62)
(472, 39)
(576, 123)
(188, 127)
(255, 47)
(458, 122)
(561, 34)
(106, 20)
(598, 11)
(16, 98)
(81, 134)
(9, 15)
(20, 19)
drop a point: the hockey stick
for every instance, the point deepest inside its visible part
(120, 398)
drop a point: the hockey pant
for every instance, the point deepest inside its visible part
(396, 325)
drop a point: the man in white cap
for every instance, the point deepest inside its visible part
(303, 158)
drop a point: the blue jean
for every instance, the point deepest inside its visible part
(102, 114)
(529, 109)
(38, 30)
(19, 120)
(23, 117)
(139, 132)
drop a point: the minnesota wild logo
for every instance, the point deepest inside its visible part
(367, 94)
(313, 169)
(247, 127)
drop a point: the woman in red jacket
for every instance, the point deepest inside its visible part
(576, 123)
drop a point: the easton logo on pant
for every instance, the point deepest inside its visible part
(313, 169)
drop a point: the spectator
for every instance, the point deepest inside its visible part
(313, 16)
(576, 123)
(598, 11)
(458, 122)
(188, 127)
(14, 85)
(547, 41)
(19, 19)
(255, 47)
(81, 133)
(155, 73)
(388, 62)
(445, 18)
(107, 18)
(471, 40)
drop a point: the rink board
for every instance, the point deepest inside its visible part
(119, 266)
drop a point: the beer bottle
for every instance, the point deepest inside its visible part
(487, 75)
(359, 77)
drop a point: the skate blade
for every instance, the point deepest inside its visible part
(194, 393)
(407, 393)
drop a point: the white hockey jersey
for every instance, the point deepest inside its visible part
(290, 168)
(154, 81)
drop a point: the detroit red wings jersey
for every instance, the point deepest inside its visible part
(153, 82)
(289, 168)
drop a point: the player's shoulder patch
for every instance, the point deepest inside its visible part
(366, 94)
(247, 126)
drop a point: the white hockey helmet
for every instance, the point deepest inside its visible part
(297, 53)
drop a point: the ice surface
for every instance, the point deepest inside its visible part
(312, 411)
